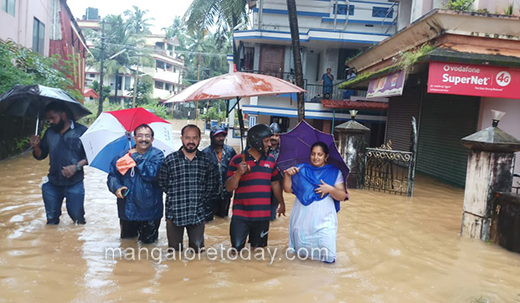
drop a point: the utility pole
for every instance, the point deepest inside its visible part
(101, 73)
(136, 82)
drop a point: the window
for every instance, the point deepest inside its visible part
(159, 85)
(38, 36)
(342, 9)
(8, 6)
(128, 80)
(92, 75)
(382, 12)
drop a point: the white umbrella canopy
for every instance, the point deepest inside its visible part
(235, 85)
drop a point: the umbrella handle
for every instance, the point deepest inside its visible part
(37, 123)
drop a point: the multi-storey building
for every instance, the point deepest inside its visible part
(47, 27)
(166, 72)
(466, 64)
(330, 33)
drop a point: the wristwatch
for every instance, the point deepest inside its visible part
(78, 167)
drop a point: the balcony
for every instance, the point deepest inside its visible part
(314, 91)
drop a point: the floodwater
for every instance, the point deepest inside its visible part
(390, 249)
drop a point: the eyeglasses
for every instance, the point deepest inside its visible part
(147, 136)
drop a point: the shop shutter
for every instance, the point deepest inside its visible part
(445, 119)
(399, 118)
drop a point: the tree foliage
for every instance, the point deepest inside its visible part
(224, 15)
(137, 22)
(106, 89)
(125, 49)
(20, 65)
(204, 53)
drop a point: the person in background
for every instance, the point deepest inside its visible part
(67, 157)
(275, 140)
(318, 188)
(220, 154)
(327, 80)
(253, 176)
(275, 151)
(133, 179)
(190, 180)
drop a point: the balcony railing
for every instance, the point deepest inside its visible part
(314, 92)
(289, 76)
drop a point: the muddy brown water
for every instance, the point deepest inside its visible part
(390, 249)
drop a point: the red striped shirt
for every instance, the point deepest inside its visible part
(252, 200)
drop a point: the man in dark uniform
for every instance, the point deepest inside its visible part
(220, 154)
(275, 151)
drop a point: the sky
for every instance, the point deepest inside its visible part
(163, 11)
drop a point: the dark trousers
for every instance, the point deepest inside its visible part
(218, 207)
(74, 196)
(147, 231)
(176, 234)
(240, 230)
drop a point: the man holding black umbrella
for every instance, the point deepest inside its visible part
(65, 179)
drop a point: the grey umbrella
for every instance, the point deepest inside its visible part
(31, 100)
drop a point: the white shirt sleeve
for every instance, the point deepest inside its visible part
(339, 179)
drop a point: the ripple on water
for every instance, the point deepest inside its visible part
(389, 249)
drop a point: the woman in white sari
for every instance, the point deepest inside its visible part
(318, 188)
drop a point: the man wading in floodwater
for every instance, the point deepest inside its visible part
(252, 182)
(132, 179)
(220, 154)
(189, 179)
(62, 144)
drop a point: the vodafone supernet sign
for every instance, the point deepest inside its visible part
(473, 80)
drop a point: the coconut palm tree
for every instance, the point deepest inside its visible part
(298, 70)
(124, 49)
(205, 14)
(137, 22)
(224, 15)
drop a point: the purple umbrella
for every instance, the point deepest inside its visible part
(295, 147)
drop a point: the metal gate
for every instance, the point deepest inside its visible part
(390, 170)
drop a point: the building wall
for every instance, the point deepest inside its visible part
(311, 69)
(497, 6)
(510, 123)
(420, 7)
(405, 11)
(68, 44)
(320, 14)
(20, 27)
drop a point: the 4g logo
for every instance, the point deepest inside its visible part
(503, 78)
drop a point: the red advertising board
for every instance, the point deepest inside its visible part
(474, 80)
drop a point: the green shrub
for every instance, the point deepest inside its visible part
(459, 5)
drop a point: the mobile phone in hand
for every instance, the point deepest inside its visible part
(124, 192)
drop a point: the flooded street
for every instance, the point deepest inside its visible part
(390, 249)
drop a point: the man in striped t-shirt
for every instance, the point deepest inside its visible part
(252, 180)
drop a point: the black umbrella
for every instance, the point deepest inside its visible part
(31, 100)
